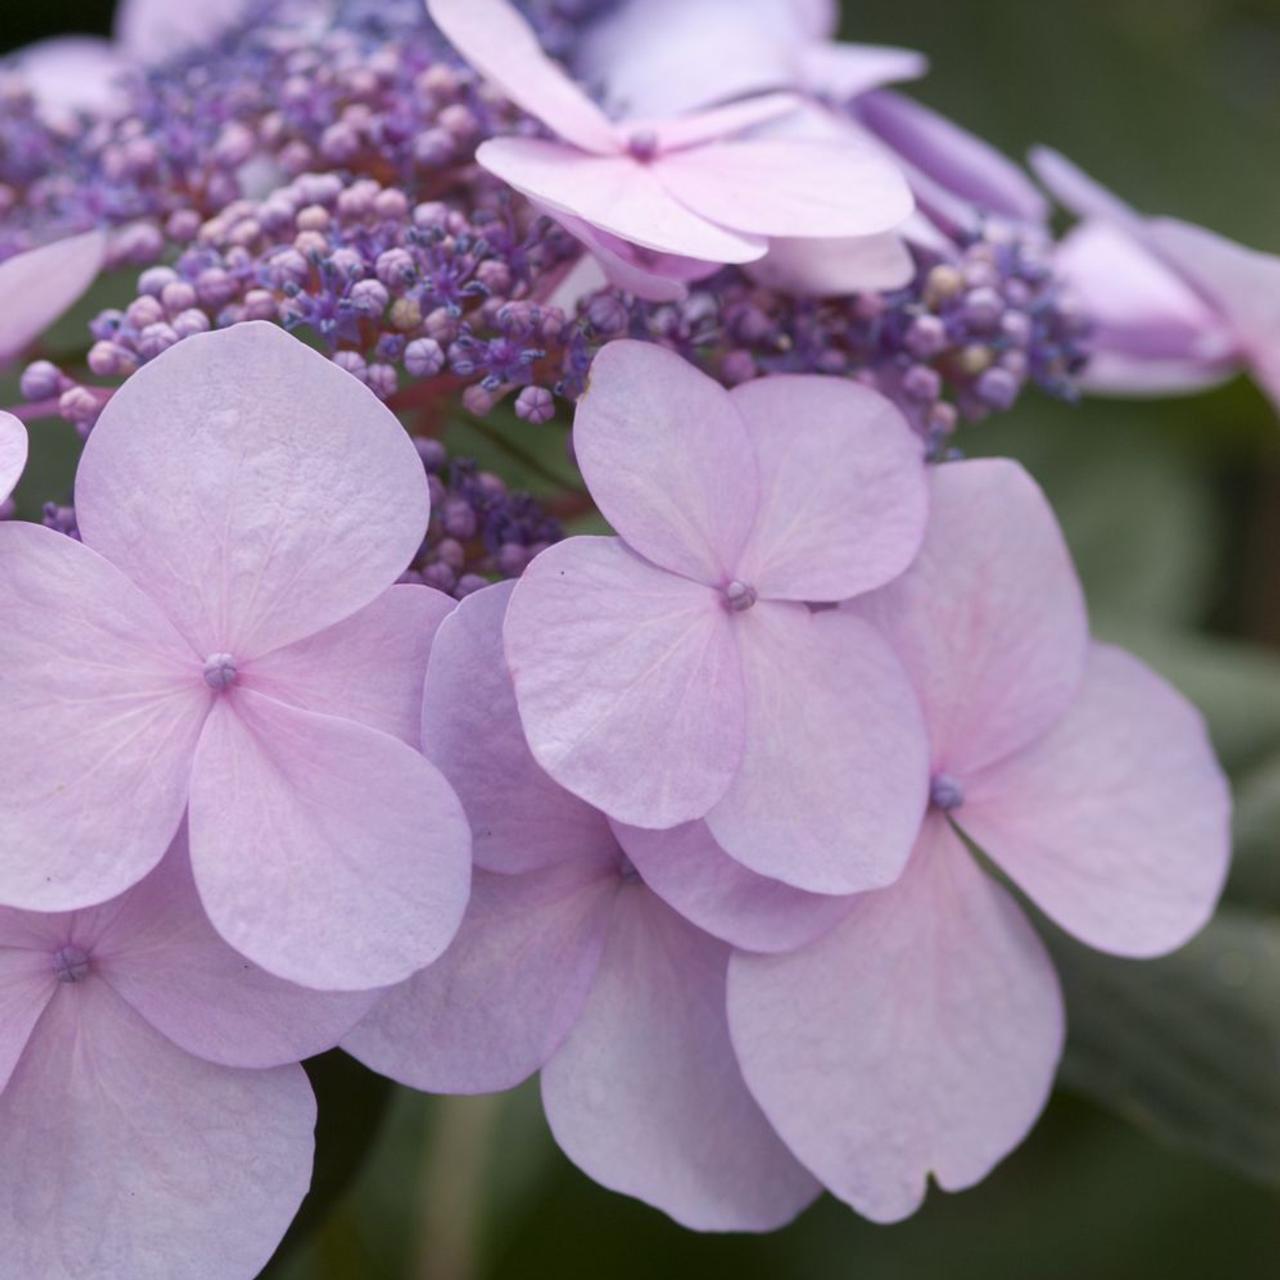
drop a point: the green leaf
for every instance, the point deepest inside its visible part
(1186, 1046)
(1255, 869)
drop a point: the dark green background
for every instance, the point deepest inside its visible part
(1173, 510)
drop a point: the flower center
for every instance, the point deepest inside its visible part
(71, 963)
(739, 596)
(643, 146)
(945, 793)
(220, 671)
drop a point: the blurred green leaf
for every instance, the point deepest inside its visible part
(1186, 1046)
(1255, 871)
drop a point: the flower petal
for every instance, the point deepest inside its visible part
(498, 1003)
(1079, 193)
(40, 285)
(835, 268)
(710, 125)
(952, 157)
(617, 194)
(102, 703)
(73, 73)
(682, 499)
(693, 874)
(628, 682)
(846, 71)
(795, 187)
(919, 1036)
(328, 853)
(493, 37)
(153, 31)
(990, 619)
(1118, 822)
(27, 984)
(645, 1096)
(521, 819)
(157, 949)
(834, 776)
(255, 490)
(13, 453)
(123, 1157)
(844, 494)
(370, 667)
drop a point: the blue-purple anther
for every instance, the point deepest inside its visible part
(71, 963)
(220, 671)
(945, 793)
(739, 596)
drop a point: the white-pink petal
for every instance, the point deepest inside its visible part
(102, 702)
(920, 1036)
(835, 268)
(844, 494)
(13, 453)
(27, 984)
(122, 1157)
(990, 619)
(847, 71)
(498, 1003)
(693, 874)
(328, 853)
(370, 667)
(1118, 822)
(73, 73)
(668, 461)
(493, 37)
(40, 285)
(644, 1094)
(255, 490)
(153, 31)
(834, 775)
(521, 819)
(628, 681)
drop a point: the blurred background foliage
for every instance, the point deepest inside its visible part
(1160, 1155)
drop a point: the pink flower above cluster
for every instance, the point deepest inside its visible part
(228, 638)
(677, 671)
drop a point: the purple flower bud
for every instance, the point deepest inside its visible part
(177, 296)
(155, 279)
(395, 268)
(215, 288)
(382, 380)
(79, 405)
(453, 553)
(155, 340)
(536, 405)
(144, 311)
(353, 362)
(392, 205)
(190, 322)
(468, 584)
(458, 519)
(607, 314)
(432, 453)
(440, 576)
(369, 298)
(921, 383)
(41, 380)
(998, 388)
(424, 358)
(738, 367)
(110, 360)
(983, 308)
(476, 399)
(926, 338)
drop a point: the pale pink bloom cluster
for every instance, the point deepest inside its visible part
(723, 895)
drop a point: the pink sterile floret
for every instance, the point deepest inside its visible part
(677, 672)
(39, 285)
(13, 453)
(154, 1123)
(228, 636)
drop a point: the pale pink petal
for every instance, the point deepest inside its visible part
(692, 873)
(153, 31)
(256, 491)
(157, 949)
(918, 1037)
(328, 853)
(1243, 284)
(773, 187)
(628, 681)
(493, 37)
(498, 1003)
(101, 703)
(817, 18)
(835, 268)
(74, 73)
(617, 194)
(13, 453)
(651, 56)
(27, 983)
(645, 1096)
(684, 499)
(1080, 194)
(40, 285)
(832, 784)
(1115, 373)
(990, 619)
(1118, 822)
(369, 667)
(122, 1157)
(953, 157)
(520, 818)
(715, 123)
(1137, 304)
(845, 71)
(844, 493)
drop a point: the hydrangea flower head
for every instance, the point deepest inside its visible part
(1175, 307)
(688, 187)
(154, 1123)
(676, 671)
(226, 638)
(921, 1034)
(567, 963)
